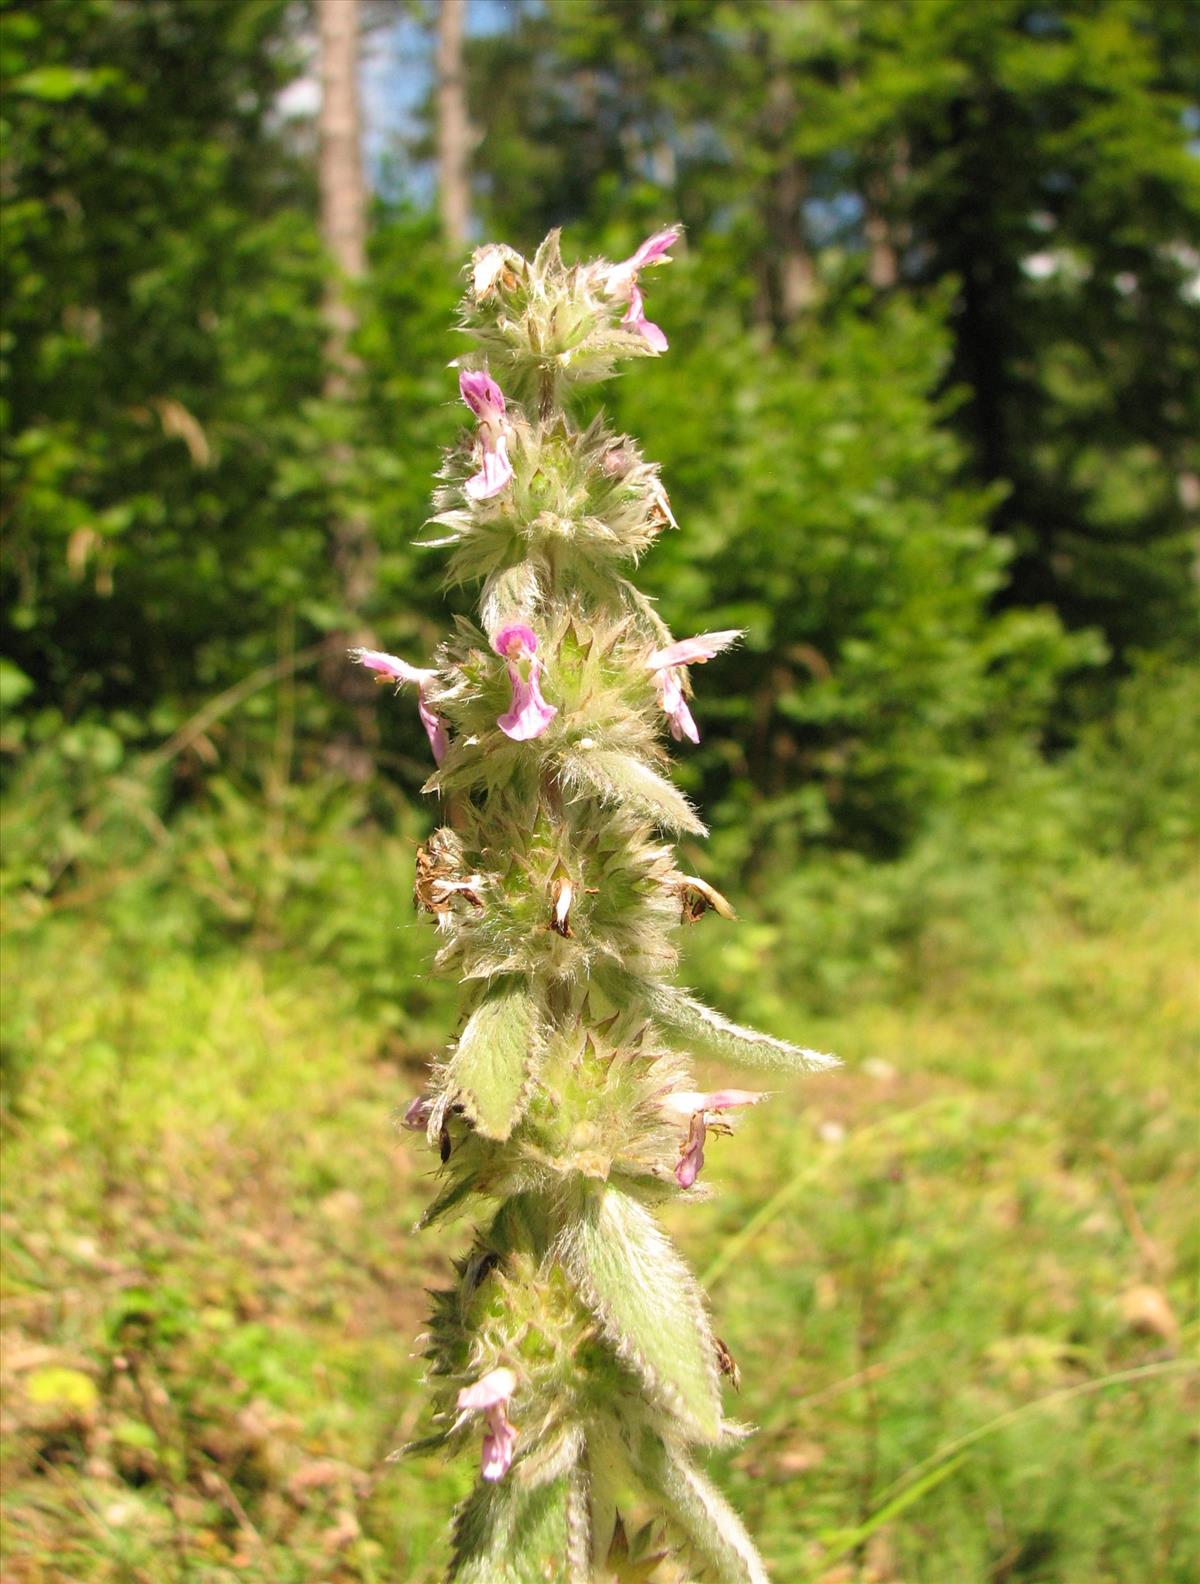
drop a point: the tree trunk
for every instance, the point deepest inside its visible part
(343, 193)
(788, 284)
(882, 268)
(796, 278)
(453, 127)
(886, 235)
(343, 230)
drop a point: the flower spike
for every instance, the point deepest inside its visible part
(564, 1110)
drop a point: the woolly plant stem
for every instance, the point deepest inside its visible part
(574, 1350)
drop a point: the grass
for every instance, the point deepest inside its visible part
(959, 1275)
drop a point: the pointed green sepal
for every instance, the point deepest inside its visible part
(453, 1197)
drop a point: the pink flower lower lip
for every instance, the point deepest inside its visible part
(528, 715)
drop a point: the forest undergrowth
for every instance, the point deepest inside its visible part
(958, 1275)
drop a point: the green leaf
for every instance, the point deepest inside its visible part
(508, 1534)
(617, 778)
(490, 1065)
(14, 684)
(649, 1305)
(709, 1033)
(703, 1514)
(57, 83)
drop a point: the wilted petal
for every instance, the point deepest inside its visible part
(697, 897)
(661, 502)
(691, 1156)
(417, 1114)
(694, 651)
(486, 268)
(563, 894)
(391, 667)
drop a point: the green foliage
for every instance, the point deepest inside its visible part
(828, 519)
(167, 441)
(1136, 774)
(164, 286)
(714, 1529)
(618, 779)
(1034, 161)
(890, 485)
(688, 1020)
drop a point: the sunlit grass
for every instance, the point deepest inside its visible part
(959, 1275)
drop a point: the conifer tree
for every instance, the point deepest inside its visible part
(575, 1340)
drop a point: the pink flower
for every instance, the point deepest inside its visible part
(622, 282)
(666, 663)
(697, 1110)
(529, 714)
(486, 400)
(417, 1113)
(392, 669)
(489, 1396)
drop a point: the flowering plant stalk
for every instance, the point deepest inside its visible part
(575, 1349)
